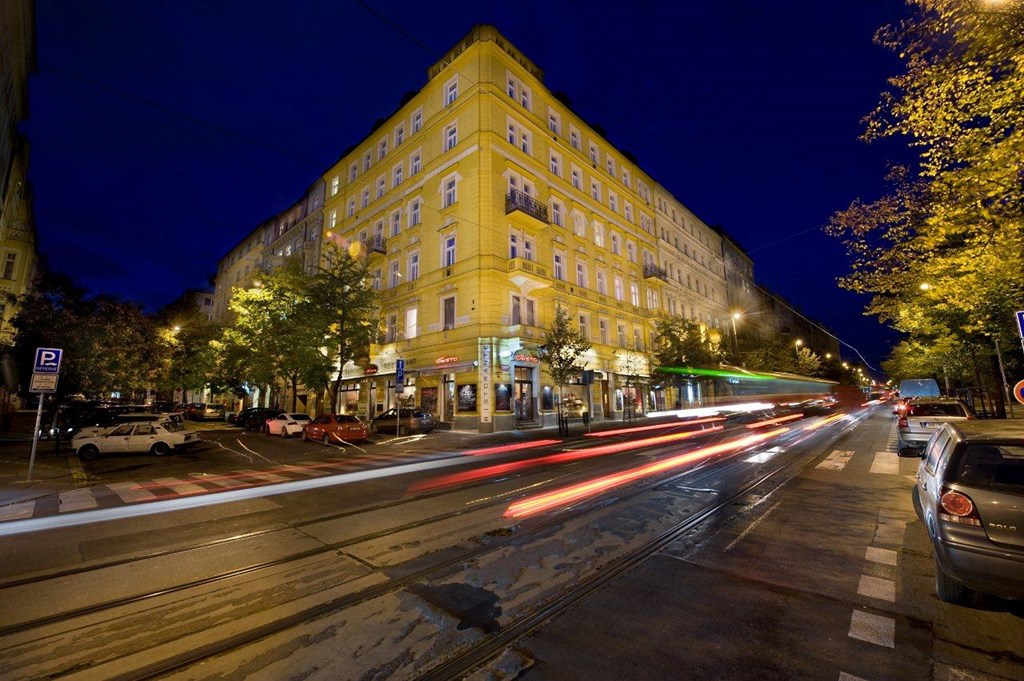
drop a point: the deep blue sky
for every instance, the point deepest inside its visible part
(164, 131)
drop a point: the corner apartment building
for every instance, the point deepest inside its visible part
(17, 226)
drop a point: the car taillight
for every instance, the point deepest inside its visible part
(959, 509)
(902, 420)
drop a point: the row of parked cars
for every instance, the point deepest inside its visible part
(969, 492)
(334, 427)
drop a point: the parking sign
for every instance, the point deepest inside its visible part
(47, 360)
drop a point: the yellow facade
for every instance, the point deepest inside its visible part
(482, 203)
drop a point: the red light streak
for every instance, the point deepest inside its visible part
(825, 421)
(567, 495)
(561, 457)
(772, 422)
(510, 448)
(675, 424)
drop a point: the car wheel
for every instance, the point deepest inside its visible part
(402, 431)
(326, 439)
(304, 437)
(88, 452)
(159, 448)
(948, 589)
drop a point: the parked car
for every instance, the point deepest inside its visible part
(206, 411)
(923, 416)
(154, 437)
(403, 421)
(255, 418)
(286, 425)
(573, 407)
(970, 496)
(335, 428)
(129, 417)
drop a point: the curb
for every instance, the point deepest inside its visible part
(78, 475)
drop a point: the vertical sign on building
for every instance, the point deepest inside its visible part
(486, 387)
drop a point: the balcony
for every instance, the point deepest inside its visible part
(655, 271)
(376, 244)
(517, 200)
(527, 275)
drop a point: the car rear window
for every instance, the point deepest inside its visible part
(936, 410)
(995, 466)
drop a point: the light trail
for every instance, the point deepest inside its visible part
(573, 493)
(511, 448)
(825, 421)
(772, 422)
(623, 431)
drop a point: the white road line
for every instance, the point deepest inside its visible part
(836, 461)
(760, 457)
(873, 628)
(884, 556)
(180, 486)
(885, 463)
(23, 509)
(266, 477)
(876, 587)
(130, 492)
(76, 500)
(752, 525)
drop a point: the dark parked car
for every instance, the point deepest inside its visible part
(410, 420)
(255, 418)
(970, 496)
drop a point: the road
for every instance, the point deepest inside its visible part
(720, 549)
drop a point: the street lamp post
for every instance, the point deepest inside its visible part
(735, 339)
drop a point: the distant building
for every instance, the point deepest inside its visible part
(17, 227)
(204, 301)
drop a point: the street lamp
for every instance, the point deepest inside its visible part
(796, 346)
(735, 340)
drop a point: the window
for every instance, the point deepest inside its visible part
(352, 170)
(579, 224)
(410, 323)
(382, 148)
(559, 266)
(451, 91)
(603, 329)
(332, 221)
(381, 186)
(366, 161)
(557, 213)
(396, 223)
(448, 257)
(610, 164)
(616, 244)
(618, 288)
(613, 201)
(366, 197)
(602, 283)
(621, 328)
(335, 184)
(584, 321)
(574, 138)
(528, 249)
(448, 313)
(554, 123)
(451, 136)
(593, 153)
(638, 338)
(581, 274)
(524, 97)
(414, 266)
(645, 222)
(652, 299)
(376, 280)
(395, 273)
(514, 247)
(634, 294)
(599, 234)
(351, 207)
(628, 211)
(595, 190)
(397, 174)
(630, 251)
(556, 164)
(415, 162)
(417, 120)
(518, 136)
(414, 213)
(517, 314)
(399, 134)
(577, 178)
(531, 312)
(450, 192)
(511, 87)
(523, 311)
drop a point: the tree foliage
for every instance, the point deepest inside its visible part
(563, 350)
(683, 342)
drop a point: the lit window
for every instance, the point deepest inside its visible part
(618, 288)
(599, 234)
(415, 163)
(410, 323)
(333, 221)
(335, 184)
(451, 136)
(417, 120)
(450, 195)
(451, 91)
(449, 251)
(634, 294)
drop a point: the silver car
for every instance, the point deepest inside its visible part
(923, 416)
(970, 496)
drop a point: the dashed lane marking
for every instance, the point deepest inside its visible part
(883, 556)
(885, 463)
(876, 587)
(836, 461)
(875, 629)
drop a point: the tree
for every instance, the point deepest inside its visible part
(681, 343)
(563, 351)
(188, 358)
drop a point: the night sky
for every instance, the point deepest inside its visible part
(164, 131)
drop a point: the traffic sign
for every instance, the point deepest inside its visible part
(47, 360)
(1018, 391)
(399, 372)
(43, 383)
(1020, 322)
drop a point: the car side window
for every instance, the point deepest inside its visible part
(145, 429)
(938, 443)
(125, 429)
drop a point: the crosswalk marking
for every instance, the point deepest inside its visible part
(883, 556)
(219, 481)
(23, 509)
(836, 461)
(130, 492)
(876, 587)
(76, 500)
(180, 486)
(875, 629)
(885, 463)
(268, 477)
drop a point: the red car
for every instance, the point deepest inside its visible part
(334, 428)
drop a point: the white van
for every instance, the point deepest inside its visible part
(919, 387)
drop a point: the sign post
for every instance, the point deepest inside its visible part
(399, 389)
(45, 372)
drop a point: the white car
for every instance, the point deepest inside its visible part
(155, 438)
(287, 425)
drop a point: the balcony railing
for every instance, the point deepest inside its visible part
(656, 271)
(376, 244)
(521, 201)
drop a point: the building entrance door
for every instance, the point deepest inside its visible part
(448, 397)
(524, 394)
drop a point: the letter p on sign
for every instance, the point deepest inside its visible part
(47, 360)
